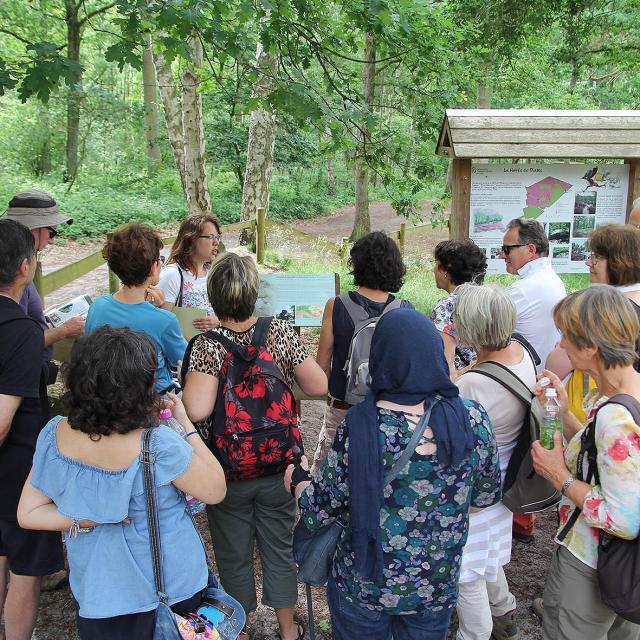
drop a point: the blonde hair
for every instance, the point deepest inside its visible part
(485, 316)
(600, 316)
(232, 286)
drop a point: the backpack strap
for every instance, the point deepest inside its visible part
(423, 423)
(518, 337)
(261, 332)
(179, 298)
(507, 379)
(356, 312)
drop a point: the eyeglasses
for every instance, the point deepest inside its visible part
(594, 258)
(212, 238)
(52, 232)
(506, 248)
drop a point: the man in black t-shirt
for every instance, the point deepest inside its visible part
(27, 555)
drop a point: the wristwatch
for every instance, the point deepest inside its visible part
(566, 484)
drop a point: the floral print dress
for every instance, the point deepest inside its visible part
(424, 520)
(614, 504)
(442, 316)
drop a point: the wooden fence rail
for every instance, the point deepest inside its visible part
(48, 283)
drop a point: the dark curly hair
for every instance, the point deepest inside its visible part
(110, 382)
(463, 260)
(375, 262)
(131, 252)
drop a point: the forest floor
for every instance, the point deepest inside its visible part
(527, 570)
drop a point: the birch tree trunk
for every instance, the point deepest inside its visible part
(362, 223)
(172, 113)
(195, 173)
(150, 89)
(262, 136)
(74, 97)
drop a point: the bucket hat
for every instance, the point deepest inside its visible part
(35, 209)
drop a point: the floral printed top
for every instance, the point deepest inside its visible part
(194, 290)
(442, 317)
(424, 520)
(614, 504)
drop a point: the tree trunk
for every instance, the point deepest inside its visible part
(362, 223)
(172, 113)
(42, 160)
(150, 110)
(196, 183)
(331, 176)
(408, 158)
(75, 92)
(262, 136)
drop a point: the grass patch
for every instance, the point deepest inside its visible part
(419, 285)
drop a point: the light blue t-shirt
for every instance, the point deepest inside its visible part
(111, 572)
(159, 324)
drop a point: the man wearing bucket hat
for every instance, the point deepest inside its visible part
(39, 212)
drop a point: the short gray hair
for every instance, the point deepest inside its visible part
(531, 232)
(232, 286)
(485, 316)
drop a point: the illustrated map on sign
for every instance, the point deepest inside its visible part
(543, 194)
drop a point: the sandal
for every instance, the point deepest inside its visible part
(301, 631)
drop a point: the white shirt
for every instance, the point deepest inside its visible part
(194, 290)
(535, 294)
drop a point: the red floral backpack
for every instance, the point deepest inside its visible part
(255, 418)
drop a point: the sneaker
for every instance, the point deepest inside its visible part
(537, 606)
(525, 538)
(505, 627)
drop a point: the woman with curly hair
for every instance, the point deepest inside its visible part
(133, 254)
(87, 480)
(456, 262)
(378, 272)
(184, 278)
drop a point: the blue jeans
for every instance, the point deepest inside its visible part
(350, 621)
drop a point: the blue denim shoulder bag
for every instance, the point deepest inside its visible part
(218, 611)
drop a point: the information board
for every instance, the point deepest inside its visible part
(298, 298)
(569, 200)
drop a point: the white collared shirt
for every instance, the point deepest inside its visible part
(535, 294)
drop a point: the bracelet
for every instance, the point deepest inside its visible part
(191, 433)
(566, 484)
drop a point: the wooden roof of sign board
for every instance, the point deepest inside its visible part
(532, 133)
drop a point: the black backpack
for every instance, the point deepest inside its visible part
(255, 417)
(524, 491)
(618, 559)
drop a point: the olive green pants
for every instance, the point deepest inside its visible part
(256, 511)
(573, 609)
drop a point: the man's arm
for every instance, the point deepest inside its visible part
(72, 328)
(8, 407)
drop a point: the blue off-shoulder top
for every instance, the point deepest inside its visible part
(111, 572)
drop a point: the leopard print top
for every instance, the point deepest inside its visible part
(283, 343)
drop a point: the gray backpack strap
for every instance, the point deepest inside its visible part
(356, 312)
(423, 423)
(507, 379)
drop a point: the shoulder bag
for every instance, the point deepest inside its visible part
(219, 615)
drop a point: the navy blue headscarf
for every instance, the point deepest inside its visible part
(407, 365)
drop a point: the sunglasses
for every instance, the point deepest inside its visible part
(506, 248)
(52, 232)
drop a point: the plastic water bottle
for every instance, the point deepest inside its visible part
(166, 418)
(551, 421)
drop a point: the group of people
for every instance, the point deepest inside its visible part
(433, 539)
